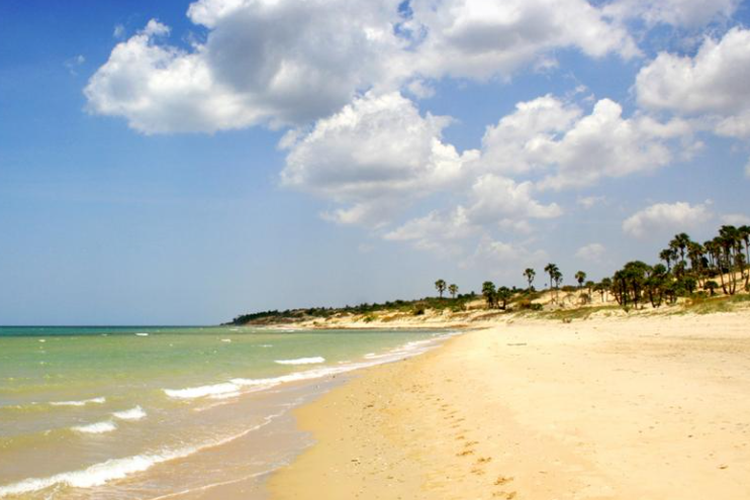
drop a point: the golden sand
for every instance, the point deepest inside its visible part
(607, 408)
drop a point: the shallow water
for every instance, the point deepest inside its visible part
(141, 412)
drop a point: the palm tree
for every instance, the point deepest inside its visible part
(453, 290)
(440, 286)
(605, 286)
(488, 291)
(730, 241)
(529, 274)
(503, 295)
(680, 242)
(668, 255)
(580, 278)
(558, 277)
(552, 270)
(744, 233)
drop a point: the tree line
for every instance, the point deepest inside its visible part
(688, 268)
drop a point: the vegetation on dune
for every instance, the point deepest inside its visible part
(708, 276)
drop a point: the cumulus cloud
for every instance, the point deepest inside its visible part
(552, 136)
(284, 62)
(592, 252)
(481, 39)
(375, 155)
(264, 62)
(713, 83)
(688, 13)
(492, 203)
(735, 219)
(495, 256)
(662, 217)
(497, 198)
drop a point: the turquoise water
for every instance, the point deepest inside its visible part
(104, 411)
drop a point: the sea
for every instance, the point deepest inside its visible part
(167, 412)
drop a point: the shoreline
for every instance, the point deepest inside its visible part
(642, 407)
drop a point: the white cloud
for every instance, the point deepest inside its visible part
(264, 61)
(689, 13)
(713, 83)
(494, 256)
(481, 39)
(735, 219)
(592, 252)
(493, 203)
(662, 217)
(589, 202)
(375, 155)
(73, 63)
(496, 198)
(548, 135)
(435, 231)
(284, 62)
(119, 31)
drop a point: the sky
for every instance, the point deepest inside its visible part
(183, 163)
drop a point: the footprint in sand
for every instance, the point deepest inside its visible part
(465, 453)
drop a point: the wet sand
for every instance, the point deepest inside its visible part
(606, 408)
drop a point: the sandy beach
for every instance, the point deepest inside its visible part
(649, 407)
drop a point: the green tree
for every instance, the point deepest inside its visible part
(629, 283)
(552, 270)
(440, 287)
(680, 243)
(503, 295)
(453, 290)
(529, 274)
(668, 255)
(488, 292)
(580, 278)
(744, 234)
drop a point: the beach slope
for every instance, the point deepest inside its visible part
(637, 408)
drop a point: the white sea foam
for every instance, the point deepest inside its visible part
(302, 361)
(97, 428)
(228, 341)
(83, 402)
(240, 385)
(136, 413)
(117, 468)
(142, 334)
(202, 391)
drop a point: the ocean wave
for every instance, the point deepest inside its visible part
(201, 391)
(136, 413)
(117, 468)
(83, 402)
(142, 334)
(237, 386)
(302, 361)
(97, 428)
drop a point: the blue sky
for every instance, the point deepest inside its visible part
(172, 162)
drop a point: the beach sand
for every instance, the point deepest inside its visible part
(605, 408)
